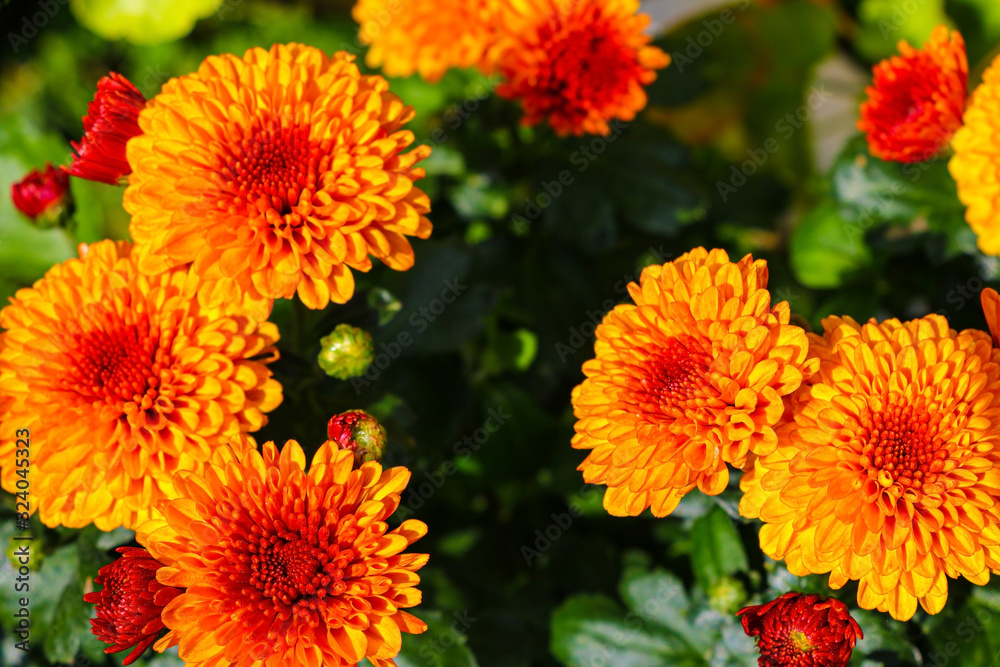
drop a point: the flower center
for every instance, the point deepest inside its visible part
(115, 360)
(587, 67)
(799, 641)
(289, 571)
(272, 167)
(901, 445)
(675, 375)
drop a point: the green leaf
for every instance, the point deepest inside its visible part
(824, 250)
(870, 191)
(69, 623)
(716, 548)
(594, 630)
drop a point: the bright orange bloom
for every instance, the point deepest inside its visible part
(579, 63)
(427, 36)
(275, 173)
(285, 567)
(916, 103)
(977, 152)
(688, 379)
(889, 473)
(123, 379)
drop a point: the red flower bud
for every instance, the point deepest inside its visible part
(112, 119)
(41, 192)
(799, 629)
(359, 432)
(130, 604)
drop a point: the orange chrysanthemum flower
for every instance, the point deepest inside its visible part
(275, 173)
(579, 63)
(889, 473)
(427, 36)
(688, 379)
(977, 152)
(123, 379)
(916, 103)
(285, 567)
(991, 310)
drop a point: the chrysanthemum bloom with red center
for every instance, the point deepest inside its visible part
(427, 36)
(688, 379)
(122, 380)
(916, 102)
(111, 120)
(802, 631)
(578, 63)
(283, 566)
(973, 166)
(130, 603)
(276, 173)
(888, 472)
(41, 192)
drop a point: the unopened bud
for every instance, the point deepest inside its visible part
(347, 352)
(359, 432)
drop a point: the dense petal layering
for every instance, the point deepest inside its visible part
(799, 630)
(887, 473)
(283, 566)
(975, 166)
(130, 603)
(688, 379)
(917, 100)
(578, 63)
(427, 36)
(122, 379)
(275, 174)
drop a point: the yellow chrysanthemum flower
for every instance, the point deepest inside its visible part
(688, 379)
(888, 472)
(275, 174)
(122, 380)
(973, 166)
(286, 567)
(428, 37)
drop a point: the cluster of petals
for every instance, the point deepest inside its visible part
(275, 174)
(111, 121)
(129, 603)
(686, 380)
(916, 101)
(579, 64)
(281, 566)
(122, 379)
(976, 156)
(802, 630)
(428, 37)
(888, 472)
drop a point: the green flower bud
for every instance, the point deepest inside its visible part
(347, 352)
